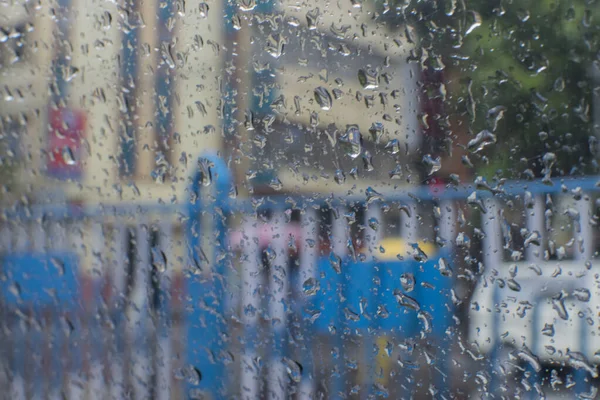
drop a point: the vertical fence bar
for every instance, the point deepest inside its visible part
(5, 238)
(447, 230)
(75, 358)
(409, 229)
(308, 270)
(38, 235)
(584, 239)
(535, 222)
(57, 235)
(339, 238)
(163, 365)
(250, 304)
(97, 332)
(118, 282)
(584, 242)
(493, 257)
(20, 240)
(278, 290)
(409, 232)
(375, 224)
(447, 223)
(140, 370)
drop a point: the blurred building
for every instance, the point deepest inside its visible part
(108, 102)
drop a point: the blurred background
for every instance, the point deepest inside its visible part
(281, 199)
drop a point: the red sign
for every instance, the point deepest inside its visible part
(436, 186)
(67, 129)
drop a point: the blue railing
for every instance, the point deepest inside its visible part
(285, 315)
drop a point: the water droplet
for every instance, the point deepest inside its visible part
(368, 161)
(276, 184)
(474, 201)
(406, 301)
(376, 131)
(260, 141)
(339, 177)
(368, 78)
(393, 146)
(559, 84)
(247, 5)
(293, 369)
(203, 10)
(474, 22)
(582, 294)
(548, 159)
(425, 318)
(417, 253)
(533, 238)
(445, 269)
(513, 285)
(431, 165)
(396, 173)
(558, 304)
(323, 98)
(275, 45)
(373, 223)
(205, 168)
(58, 265)
(351, 315)
(463, 241)
(526, 355)
(312, 17)
(68, 156)
(380, 391)
(236, 22)
(336, 262)
(372, 195)
(481, 141)
(271, 255)
(310, 286)
(191, 374)
(353, 141)
(159, 259)
(548, 330)
(407, 280)
(578, 361)
(233, 192)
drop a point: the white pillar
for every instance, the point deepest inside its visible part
(492, 243)
(373, 237)
(21, 240)
(308, 269)
(137, 315)
(409, 228)
(584, 243)
(308, 255)
(38, 237)
(119, 265)
(5, 239)
(163, 365)
(536, 222)
(57, 235)
(250, 299)
(447, 223)
(339, 237)
(278, 289)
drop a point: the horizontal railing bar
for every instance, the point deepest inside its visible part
(403, 195)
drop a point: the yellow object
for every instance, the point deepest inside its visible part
(383, 360)
(396, 246)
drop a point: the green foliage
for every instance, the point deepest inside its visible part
(534, 57)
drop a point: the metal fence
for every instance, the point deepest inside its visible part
(275, 296)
